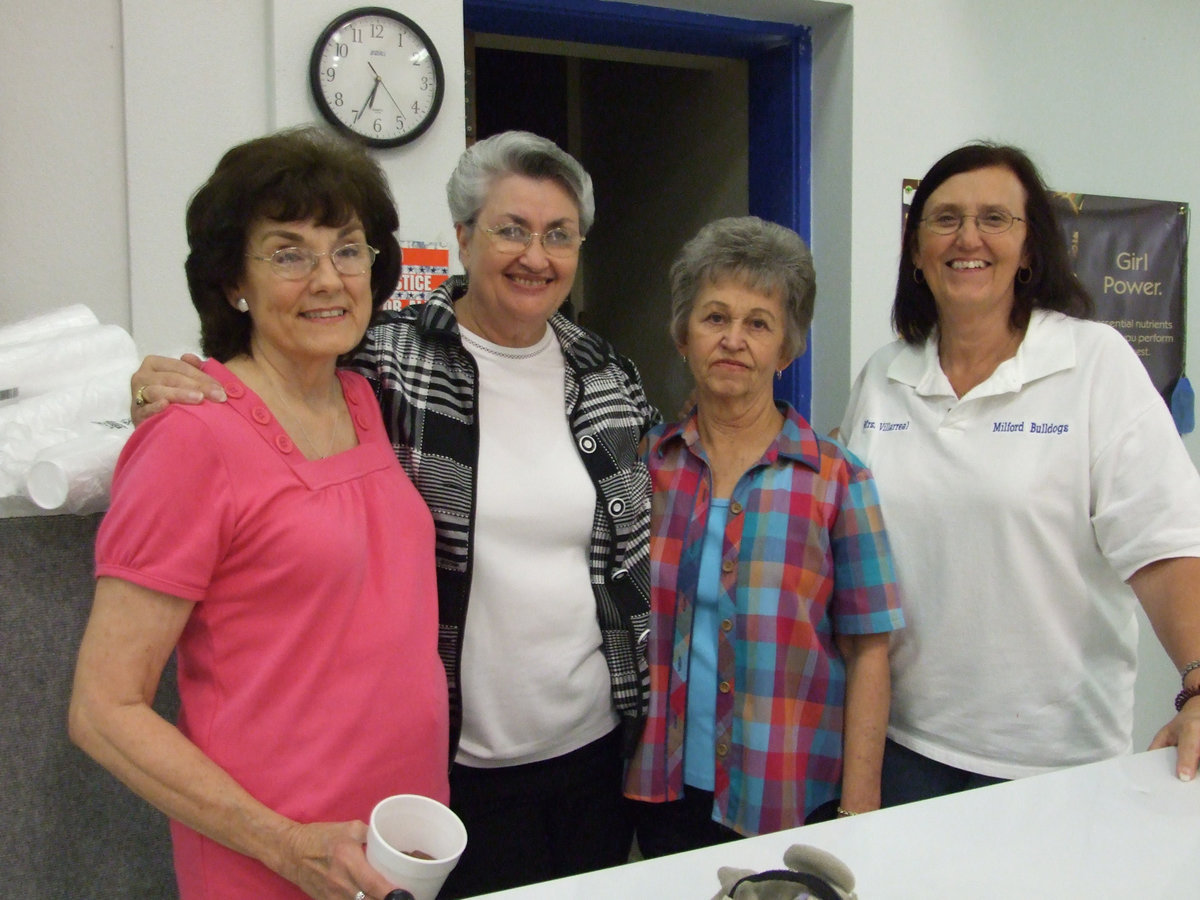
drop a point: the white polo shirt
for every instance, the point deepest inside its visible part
(1016, 513)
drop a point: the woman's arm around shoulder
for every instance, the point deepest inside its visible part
(160, 381)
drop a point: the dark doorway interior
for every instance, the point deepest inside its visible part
(664, 137)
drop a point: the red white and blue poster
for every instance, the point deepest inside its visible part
(423, 268)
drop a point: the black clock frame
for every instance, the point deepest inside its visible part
(314, 77)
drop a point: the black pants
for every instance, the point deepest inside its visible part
(679, 825)
(541, 820)
(687, 823)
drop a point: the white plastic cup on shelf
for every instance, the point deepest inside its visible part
(76, 475)
(405, 829)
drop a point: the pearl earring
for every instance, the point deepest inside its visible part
(242, 305)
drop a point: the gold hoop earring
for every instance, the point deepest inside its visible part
(1024, 274)
(918, 276)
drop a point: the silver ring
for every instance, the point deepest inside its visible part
(360, 896)
(141, 400)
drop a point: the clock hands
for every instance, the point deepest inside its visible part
(370, 97)
(362, 44)
(379, 83)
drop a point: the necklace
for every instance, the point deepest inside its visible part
(472, 340)
(337, 415)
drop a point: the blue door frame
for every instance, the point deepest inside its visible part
(779, 59)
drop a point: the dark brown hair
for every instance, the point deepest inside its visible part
(1051, 285)
(303, 173)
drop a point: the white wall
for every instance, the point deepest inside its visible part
(62, 160)
(148, 94)
(203, 75)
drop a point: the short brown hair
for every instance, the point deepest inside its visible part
(301, 173)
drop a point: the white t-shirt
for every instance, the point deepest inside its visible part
(1016, 514)
(535, 683)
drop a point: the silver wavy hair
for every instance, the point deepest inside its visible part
(516, 153)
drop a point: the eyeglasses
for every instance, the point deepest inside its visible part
(513, 238)
(294, 263)
(997, 221)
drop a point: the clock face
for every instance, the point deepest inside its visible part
(376, 75)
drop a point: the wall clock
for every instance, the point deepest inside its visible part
(376, 75)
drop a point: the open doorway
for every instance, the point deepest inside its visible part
(664, 137)
(680, 118)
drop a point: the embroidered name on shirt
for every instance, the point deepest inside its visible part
(1047, 428)
(1034, 427)
(871, 425)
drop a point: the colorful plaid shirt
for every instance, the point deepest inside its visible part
(805, 558)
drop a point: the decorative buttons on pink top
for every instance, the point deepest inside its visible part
(261, 415)
(235, 390)
(284, 443)
(361, 421)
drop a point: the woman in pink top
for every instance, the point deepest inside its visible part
(276, 545)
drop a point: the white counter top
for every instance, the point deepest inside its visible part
(1123, 828)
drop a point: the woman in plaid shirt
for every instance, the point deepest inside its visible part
(772, 587)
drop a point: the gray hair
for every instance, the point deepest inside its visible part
(761, 256)
(516, 153)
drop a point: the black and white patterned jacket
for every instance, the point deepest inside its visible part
(426, 384)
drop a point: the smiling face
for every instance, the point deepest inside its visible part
(969, 271)
(312, 319)
(511, 296)
(736, 342)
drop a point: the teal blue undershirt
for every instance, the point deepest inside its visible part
(698, 760)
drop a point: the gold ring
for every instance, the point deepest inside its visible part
(140, 397)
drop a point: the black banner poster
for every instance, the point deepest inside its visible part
(1131, 255)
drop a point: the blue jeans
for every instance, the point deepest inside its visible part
(908, 776)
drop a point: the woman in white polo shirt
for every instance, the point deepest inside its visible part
(1034, 487)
